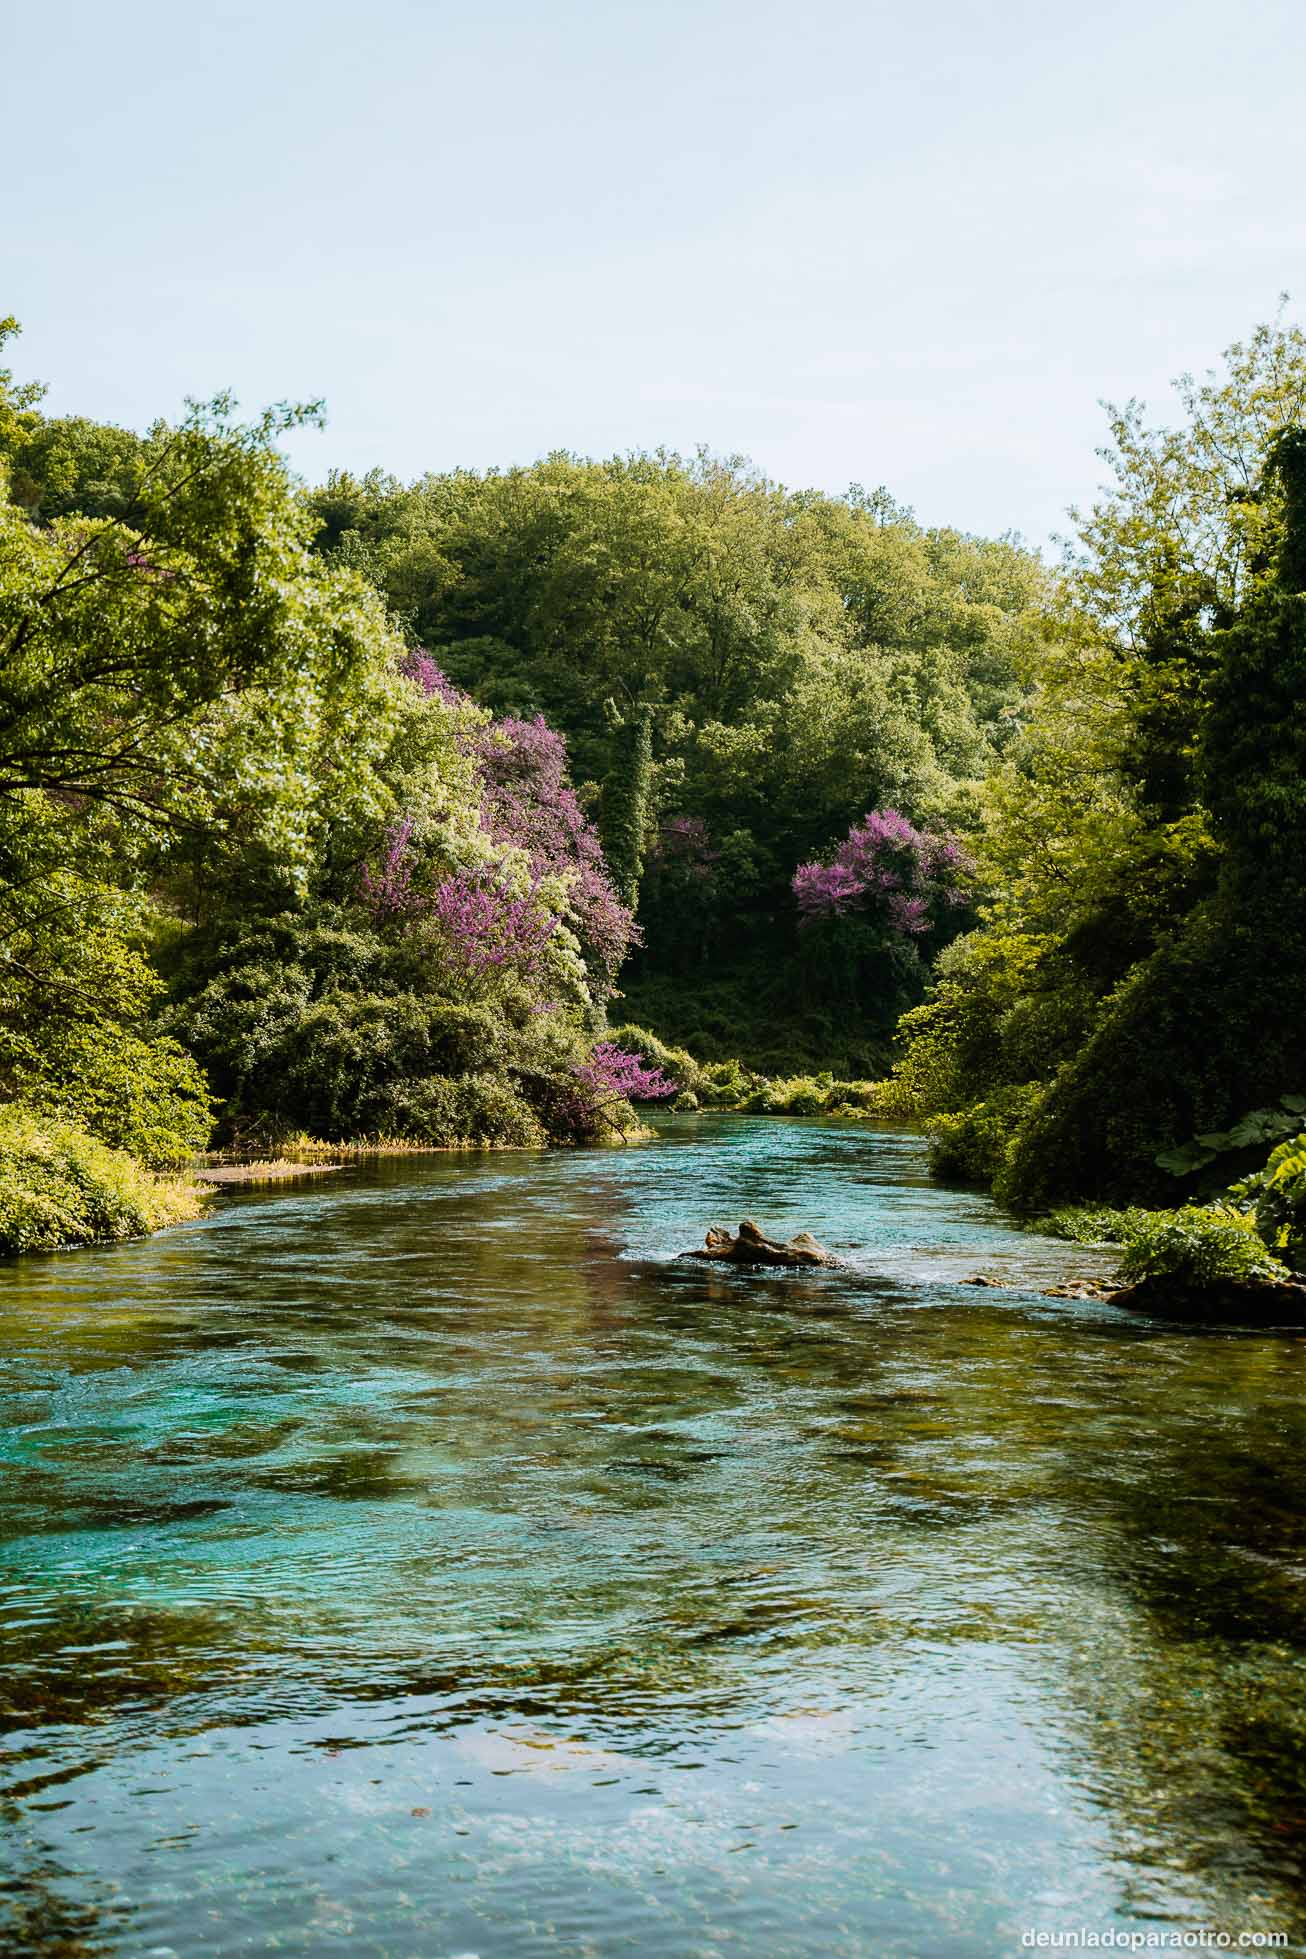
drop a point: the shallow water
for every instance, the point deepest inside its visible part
(419, 1562)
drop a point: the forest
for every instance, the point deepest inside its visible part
(481, 809)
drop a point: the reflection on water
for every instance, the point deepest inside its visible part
(427, 1565)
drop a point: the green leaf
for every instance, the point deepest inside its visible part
(1184, 1158)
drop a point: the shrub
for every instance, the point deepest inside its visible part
(1197, 1246)
(724, 1085)
(974, 1145)
(59, 1186)
(137, 1092)
(796, 1095)
(452, 1114)
(1091, 1224)
(332, 1032)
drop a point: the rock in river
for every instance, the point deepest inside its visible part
(752, 1248)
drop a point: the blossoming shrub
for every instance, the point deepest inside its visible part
(613, 1072)
(889, 895)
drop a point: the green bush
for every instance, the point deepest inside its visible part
(802, 1097)
(450, 1114)
(328, 1030)
(1197, 1246)
(137, 1092)
(1095, 1224)
(725, 1084)
(974, 1145)
(60, 1186)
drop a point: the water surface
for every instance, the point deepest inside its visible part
(420, 1562)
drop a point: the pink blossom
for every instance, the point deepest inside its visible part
(486, 927)
(388, 892)
(887, 868)
(422, 670)
(612, 1071)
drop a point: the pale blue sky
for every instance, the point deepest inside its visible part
(901, 244)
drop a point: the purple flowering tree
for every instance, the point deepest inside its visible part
(486, 928)
(613, 1075)
(387, 890)
(888, 873)
(423, 671)
(526, 801)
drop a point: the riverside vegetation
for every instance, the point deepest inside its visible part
(478, 810)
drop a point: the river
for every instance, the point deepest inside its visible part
(417, 1561)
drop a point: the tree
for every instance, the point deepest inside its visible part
(1139, 971)
(189, 666)
(627, 804)
(180, 684)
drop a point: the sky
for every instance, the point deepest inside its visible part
(905, 244)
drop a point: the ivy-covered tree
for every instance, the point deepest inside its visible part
(627, 803)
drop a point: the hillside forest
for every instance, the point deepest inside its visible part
(476, 810)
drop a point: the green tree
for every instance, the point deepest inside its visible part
(181, 685)
(1118, 972)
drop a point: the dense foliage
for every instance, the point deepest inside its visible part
(741, 672)
(260, 863)
(355, 810)
(1253, 1232)
(60, 1186)
(1140, 973)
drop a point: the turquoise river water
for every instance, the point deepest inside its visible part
(418, 1561)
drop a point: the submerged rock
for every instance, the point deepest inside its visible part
(1239, 1302)
(752, 1248)
(1083, 1288)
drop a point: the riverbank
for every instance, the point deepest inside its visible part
(60, 1188)
(63, 1190)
